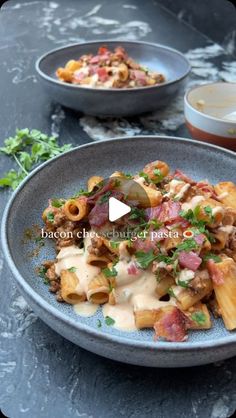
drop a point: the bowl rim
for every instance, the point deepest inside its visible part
(71, 322)
(107, 89)
(205, 115)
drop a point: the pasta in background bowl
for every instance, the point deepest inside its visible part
(96, 333)
(92, 95)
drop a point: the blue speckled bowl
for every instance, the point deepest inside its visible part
(63, 176)
(115, 102)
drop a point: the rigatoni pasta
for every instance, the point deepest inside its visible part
(164, 265)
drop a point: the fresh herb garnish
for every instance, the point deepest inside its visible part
(99, 323)
(72, 269)
(199, 317)
(187, 245)
(50, 216)
(182, 283)
(144, 259)
(109, 321)
(158, 174)
(127, 175)
(211, 256)
(109, 272)
(28, 148)
(42, 273)
(57, 203)
(145, 176)
(137, 213)
(117, 183)
(208, 212)
(105, 197)
(114, 244)
(170, 292)
(82, 192)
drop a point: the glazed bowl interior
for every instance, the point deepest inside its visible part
(217, 100)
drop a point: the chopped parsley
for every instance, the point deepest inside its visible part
(57, 203)
(158, 174)
(199, 317)
(211, 256)
(182, 283)
(105, 197)
(50, 216)
(144, 259)
(145, 176)
(109, 321)
(127, 175)
(117, 183)
(137, 213)
(82, 192)
(72, 269)
(170, 292)
(114, 244)
(109, 272)
(42, 273)
(187, 245)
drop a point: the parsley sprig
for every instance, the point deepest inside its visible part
(28, 148)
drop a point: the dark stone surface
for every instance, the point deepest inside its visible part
(42, 375)
(214, 18)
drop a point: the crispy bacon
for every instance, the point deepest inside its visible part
(102, 50)
(98, 216)
(206, 187)
(133, 269)
(144, 245)
(189, 260)
(95, 59)
(167, 212)
(199, 239)
(215, 273)
(171, 325)
(180, 175)
(102, 74)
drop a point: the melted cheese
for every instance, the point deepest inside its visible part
(73, 256)
(192, 203)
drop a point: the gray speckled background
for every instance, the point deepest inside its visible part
(41, 374)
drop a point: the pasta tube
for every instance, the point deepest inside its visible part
(227, 193)
(70, 291)
(75, 209)
(98, 290)
(93, 182)
(226, 292)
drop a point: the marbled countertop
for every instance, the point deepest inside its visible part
(41, 374)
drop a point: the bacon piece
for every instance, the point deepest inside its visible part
(102, 74)
(139, 76)
(98, 216)
(79, 76)
(189, 260)
(180, 175)
(171, 325)
(133, 269)
(102, 50)
(95, 59)
(199, 239)
(144, 245)
(206, 187)
(120, 53)
(215, 273)
(167, 212)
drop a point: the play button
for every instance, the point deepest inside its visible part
(117, 209)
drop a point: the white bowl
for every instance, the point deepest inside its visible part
(210, 113)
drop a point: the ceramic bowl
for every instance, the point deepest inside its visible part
(115, 102)
(25, 208)
(210, 113)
